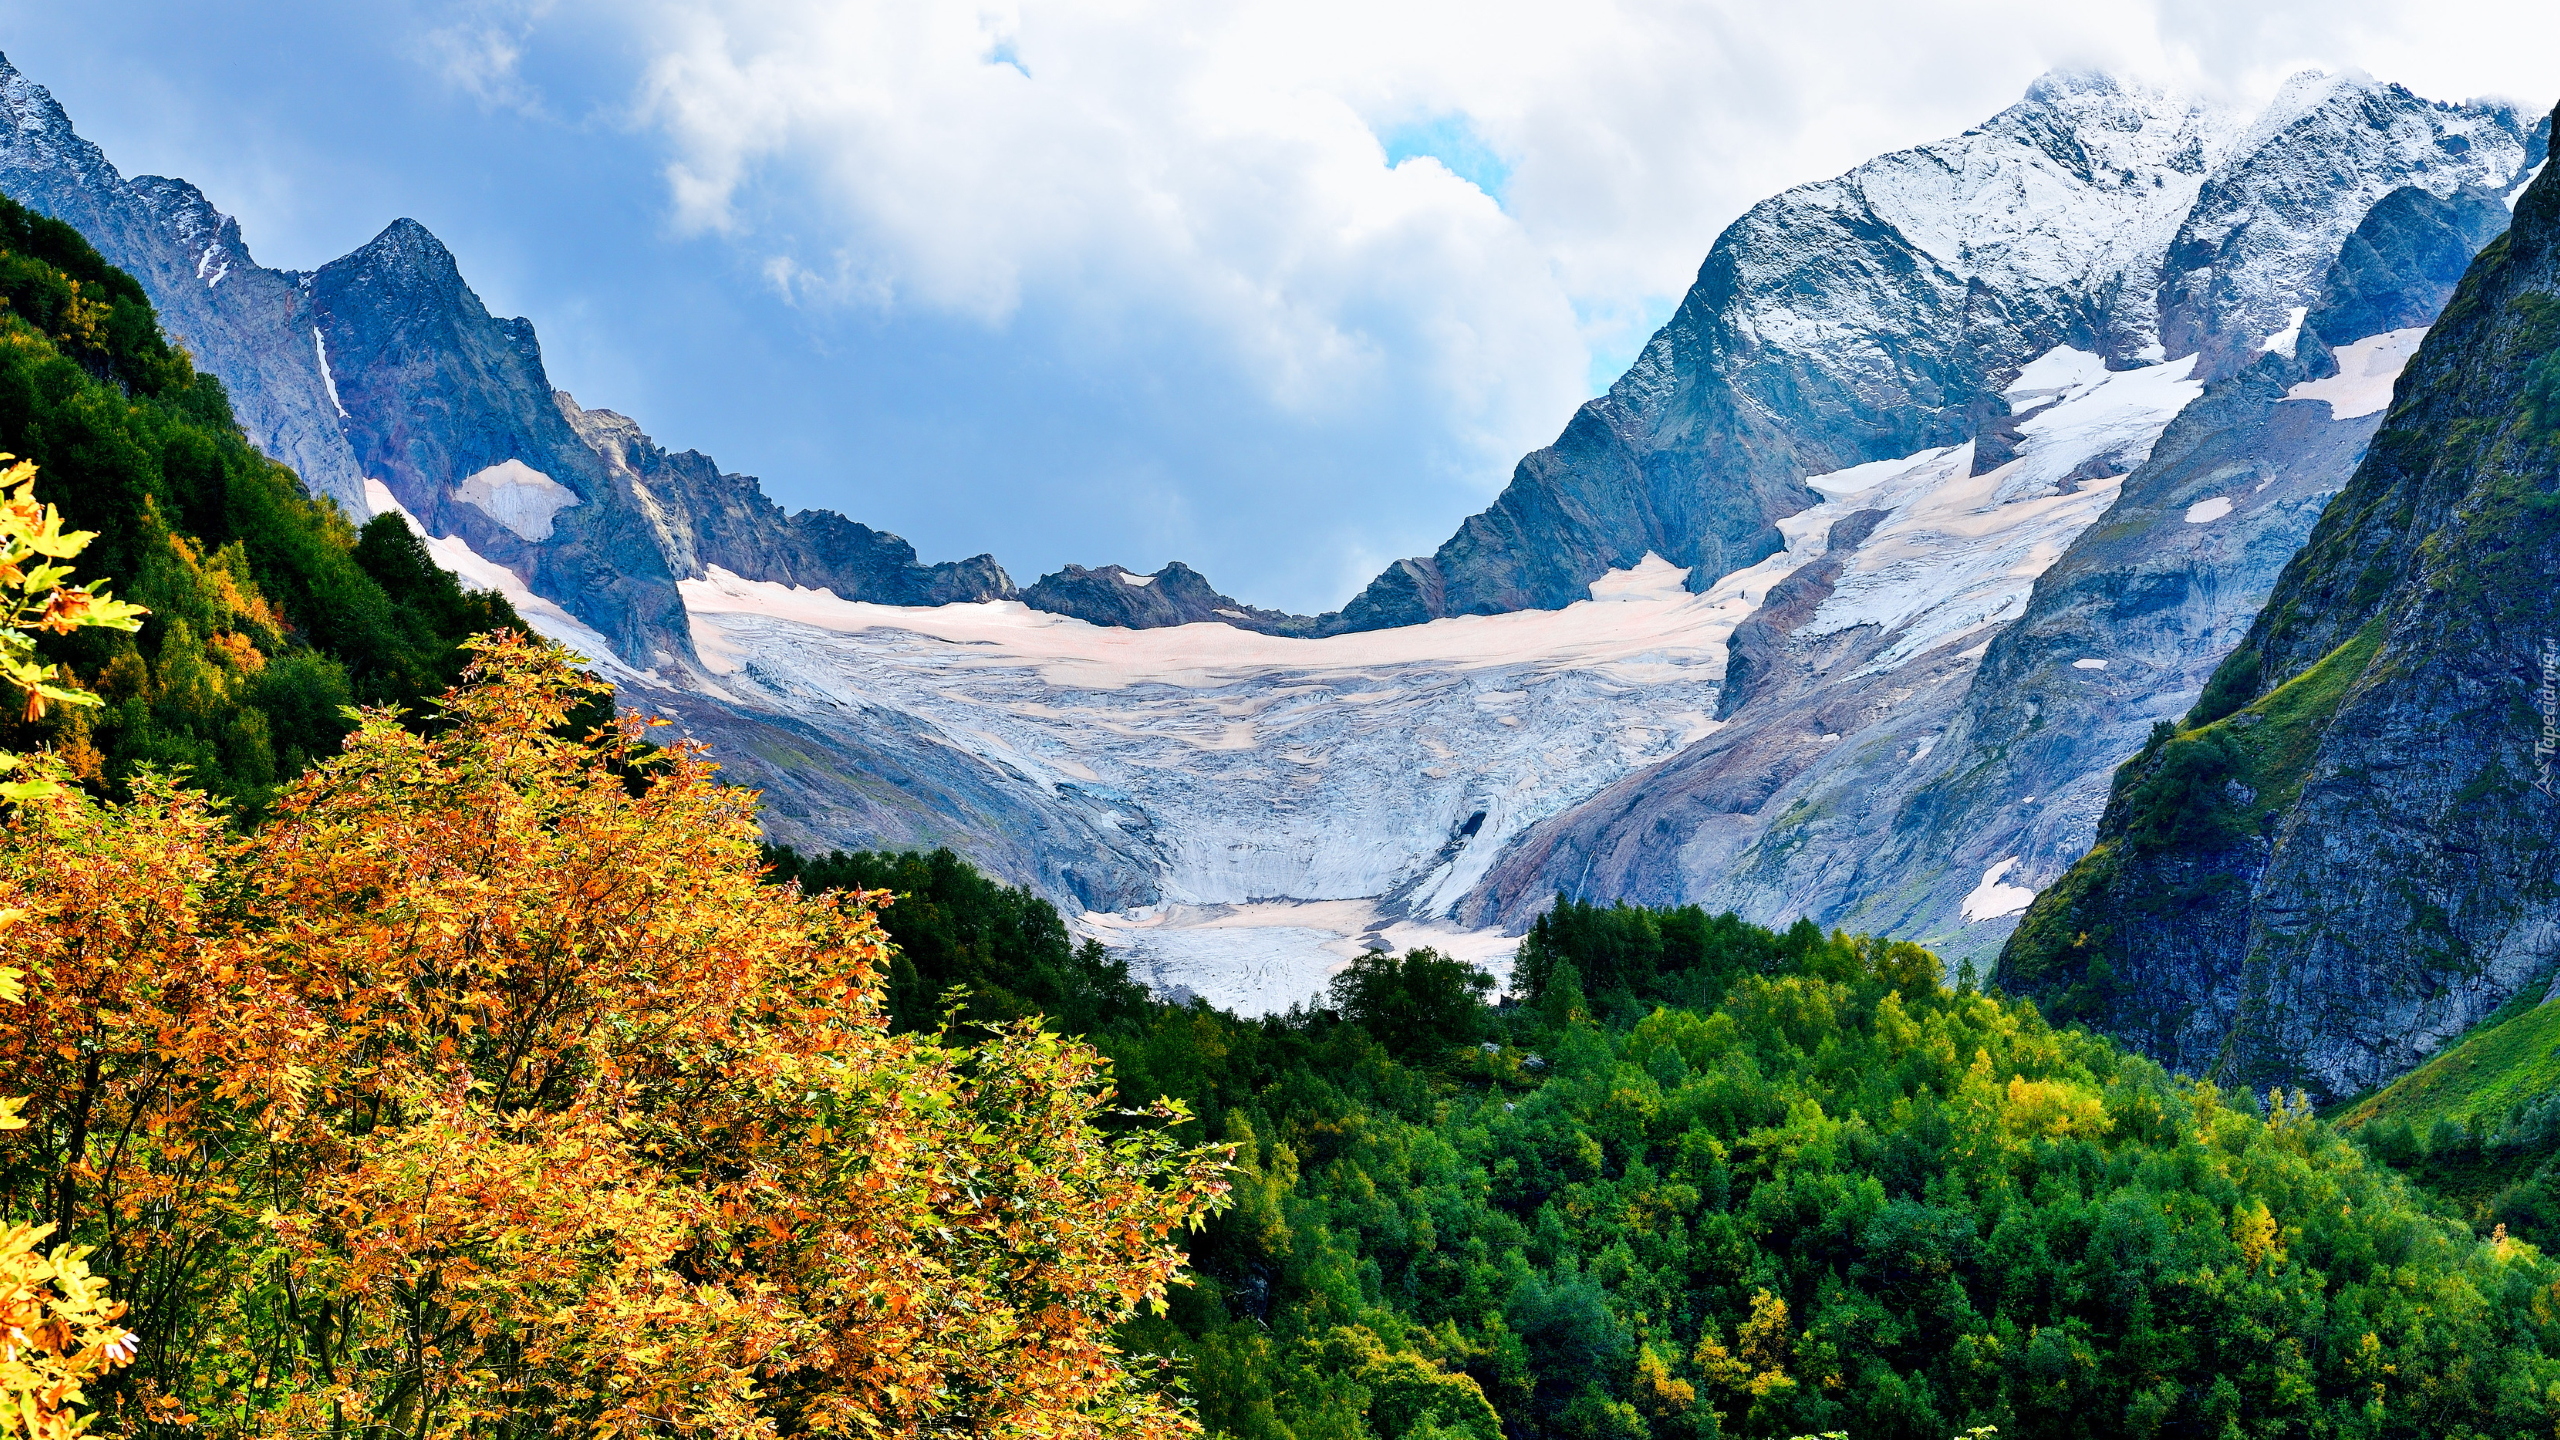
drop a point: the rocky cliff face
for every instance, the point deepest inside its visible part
(448, 409)
(2344, 855)
(1880, 314)
(2400, 266)
(384, 367)
(702, 518)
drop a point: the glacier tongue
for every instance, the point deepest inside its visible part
(1262, 958)
(1386, 768)
(1305, 798)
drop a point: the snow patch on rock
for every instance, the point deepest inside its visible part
(2525, 184)
(517, 496)
(2283, 341)
(328, 381)
(2088, 664)
(2205, 512)
(1992, 900)
(481, 573)
(2367, 371)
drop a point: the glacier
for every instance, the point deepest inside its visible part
(1306, 798)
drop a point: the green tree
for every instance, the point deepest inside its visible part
(1418, 1004)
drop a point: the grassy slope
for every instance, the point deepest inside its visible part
(2473, 1124)
(2507, 1061)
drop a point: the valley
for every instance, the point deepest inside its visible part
(1968, 853)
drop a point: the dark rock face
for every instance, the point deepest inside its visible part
(1878, 315)
(2402, 263)
(435, 391)
(2316, 163)
(2347, 857)
(1756, 653)
(1175, 595)
(702, 518)
(1408, 592)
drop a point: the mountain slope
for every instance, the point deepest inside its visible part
(269, 613)
(1964, 779)
(222, 306)
(2344, 856)
(383, 366)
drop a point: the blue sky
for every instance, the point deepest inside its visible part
(1278, 289)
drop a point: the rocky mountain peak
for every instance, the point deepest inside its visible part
(2065, 84)
(2253, 248)
(2348, 826)
(212, 297)
(1175, 595)
(1880, 313)
(39, 131)
(205, 232)
(406, 264)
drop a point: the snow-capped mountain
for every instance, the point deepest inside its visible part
(1858, 763)
(1948, 477)
(1964, 782)
(1879, 314)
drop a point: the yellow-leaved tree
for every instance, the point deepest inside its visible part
(485, 1088)
(58, 1328)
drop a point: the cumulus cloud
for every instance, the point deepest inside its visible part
(1362, 214)
(1135, 168)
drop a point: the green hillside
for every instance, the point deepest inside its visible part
(271, 611)
(1709, 1179)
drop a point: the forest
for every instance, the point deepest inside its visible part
(1702, 1178)
(396, 1042)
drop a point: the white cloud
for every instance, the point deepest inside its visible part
(1140, 167)
(480, 50)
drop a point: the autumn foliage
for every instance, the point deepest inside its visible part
(484, 1088)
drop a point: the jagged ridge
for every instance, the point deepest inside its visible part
(384, 366)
